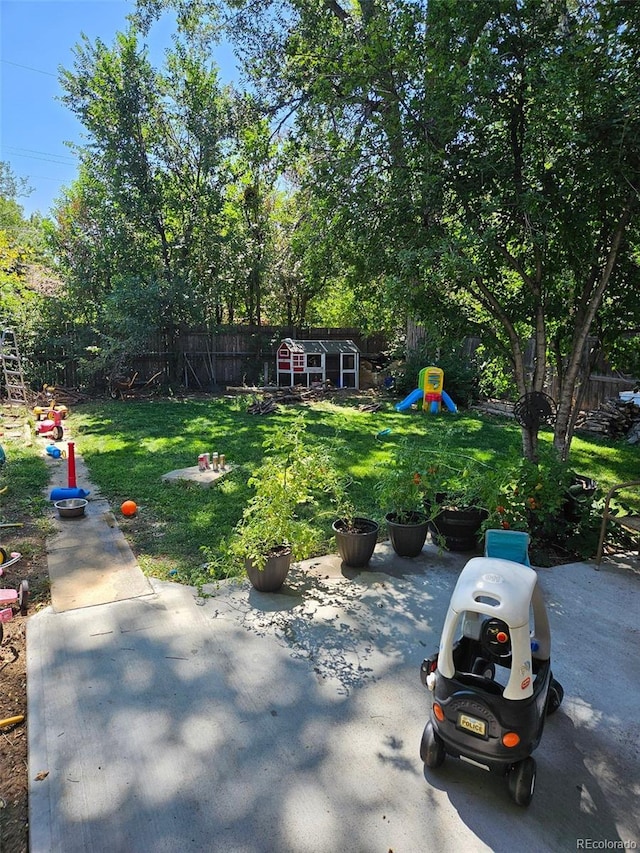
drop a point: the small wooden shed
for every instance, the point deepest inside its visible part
(307, 362)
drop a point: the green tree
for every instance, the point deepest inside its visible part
(482, 155)
(139, 231)
(22, 259)
(250, 199)
(303, 266)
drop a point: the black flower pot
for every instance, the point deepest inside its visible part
(356, 541)
(407, 537)
(273, 575)
(459, 528)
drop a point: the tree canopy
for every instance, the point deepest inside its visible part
(22, 252)
(481, 156)
(179, 214)
(470, 166)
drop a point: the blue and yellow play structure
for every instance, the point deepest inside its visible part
(430, 392)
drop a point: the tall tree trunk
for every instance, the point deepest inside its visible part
(584, 320)
(416, 336)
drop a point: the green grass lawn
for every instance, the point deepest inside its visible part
(129, 446)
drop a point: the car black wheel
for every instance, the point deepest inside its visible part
(554, 697)
(23, 597)
(522, 780)
(58, 432)
(432, 751)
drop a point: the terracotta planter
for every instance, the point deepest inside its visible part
(357, 543)
(408, 538)
(274, 573)
(459, 528)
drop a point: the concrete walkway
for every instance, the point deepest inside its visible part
(89, 560)
(253, 723)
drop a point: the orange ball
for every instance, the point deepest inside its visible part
(129, 508)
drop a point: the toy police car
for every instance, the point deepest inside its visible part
(491, 682)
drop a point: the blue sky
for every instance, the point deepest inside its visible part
(36, 37)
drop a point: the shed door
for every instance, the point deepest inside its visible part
(349, 368)
(315, 367)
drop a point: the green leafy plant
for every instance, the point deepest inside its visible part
(435, 478)
(342, 500)
(450, 477)
(530, 493)
(279, 515)
(551, 502)
(400, 487)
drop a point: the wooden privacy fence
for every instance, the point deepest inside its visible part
(603, 383)
(248, 356)
(213, 359)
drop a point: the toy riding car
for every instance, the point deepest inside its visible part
(491, 680)
(10, 598)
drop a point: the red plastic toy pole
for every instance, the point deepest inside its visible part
(72, 464)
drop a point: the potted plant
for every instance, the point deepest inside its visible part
(458, 489)
(456, 508)
(277, 525)
(356, 536)
(401, 495)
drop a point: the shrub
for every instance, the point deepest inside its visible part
(549, 501)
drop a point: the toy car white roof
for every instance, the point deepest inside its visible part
(503, 590)
(496, 587)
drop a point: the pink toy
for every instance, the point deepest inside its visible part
(52, 424)
(11, 597)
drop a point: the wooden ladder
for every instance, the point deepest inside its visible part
(12, 369)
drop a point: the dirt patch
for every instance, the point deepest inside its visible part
(30, 541)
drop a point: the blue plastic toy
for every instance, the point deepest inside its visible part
(430, 391)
